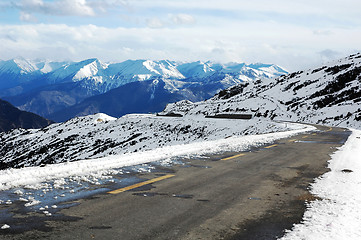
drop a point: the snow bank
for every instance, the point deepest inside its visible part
(338, 214)
(32, 177)
(99, 135)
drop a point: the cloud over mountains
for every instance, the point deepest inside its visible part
(291, 34)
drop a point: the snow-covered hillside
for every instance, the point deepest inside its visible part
(327, 95)
(99, 135)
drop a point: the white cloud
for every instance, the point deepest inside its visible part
(104, 5)
(155, 22)
(322, 32)
(171, 21)
(66, 7)
(57, 7)
(289, 33)
(74, 7)
(182, 19)
(285, 45)
(329, 54)
(26, 17)
(305, 7)
(308, 13)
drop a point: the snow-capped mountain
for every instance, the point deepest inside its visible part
(48, 87)
(74, 72)
(18, 66)
(327, 95)
(17, 71)
(93, 71)
(25, 70)
(153, 95)
(20, 75)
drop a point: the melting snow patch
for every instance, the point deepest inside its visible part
(5, 226)
(19, 192)
(47, 213)
(32, 203)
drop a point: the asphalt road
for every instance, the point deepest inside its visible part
(250, 195)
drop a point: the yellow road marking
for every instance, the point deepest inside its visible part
(235, 156)
(305, 137)
(330, 129)
(293, 140)
(274, 145)
(141, 184)
(314, 134)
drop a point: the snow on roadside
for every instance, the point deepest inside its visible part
(99, 135)
(34, 177)
(337, 215)
(5, 226)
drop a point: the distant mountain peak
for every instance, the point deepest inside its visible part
(90, 68)
(18, 65)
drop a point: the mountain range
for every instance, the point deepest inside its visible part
(50, 88)
(328, 95)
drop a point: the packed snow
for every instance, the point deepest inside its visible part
(337, 214)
